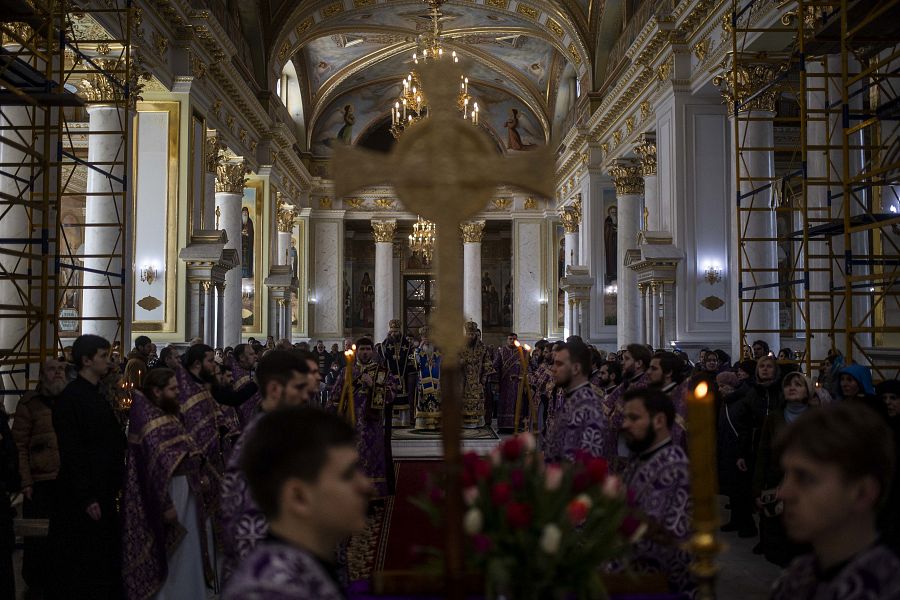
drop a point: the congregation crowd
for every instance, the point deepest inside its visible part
(242, 471)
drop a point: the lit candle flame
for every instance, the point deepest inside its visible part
(517, 344)
(701, 390)
(527, 348)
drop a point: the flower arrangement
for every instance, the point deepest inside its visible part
(541, 531)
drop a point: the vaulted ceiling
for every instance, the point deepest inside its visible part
(356, 52)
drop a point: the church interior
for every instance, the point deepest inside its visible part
(720, 174)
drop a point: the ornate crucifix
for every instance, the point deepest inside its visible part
(446, 170)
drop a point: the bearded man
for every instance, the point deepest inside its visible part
(477, 366)
(396, 353)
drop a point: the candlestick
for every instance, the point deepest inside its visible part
(524, 388)
(345, 404)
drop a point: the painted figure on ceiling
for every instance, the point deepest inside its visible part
(513, 139)
(345, 134)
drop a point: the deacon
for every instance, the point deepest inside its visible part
(657, 475)
(396, 353)
(428, 387)
(635, 361)
(477, 366)
(664, 374)
(242, 364)
(364, 395)
(284, 380)
(303, 471)
(166, 498)
(579, 422)
(508, 367)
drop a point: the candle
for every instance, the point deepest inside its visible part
(345, 404)
(702, 446)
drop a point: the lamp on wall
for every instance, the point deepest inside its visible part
(611, 290)
(247, 292)
(712, 273)
(149, 273)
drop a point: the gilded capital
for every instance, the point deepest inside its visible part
(230, 177)
(213, 154)
(628, 177)
(646, 149)
(750, 86)
(384, 231)
(571, 216)
(285, 216)
(472, 231)
(107, 84)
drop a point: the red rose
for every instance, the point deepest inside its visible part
(482, 469)
(512, 448)
(482, 543)
(577, 511)
(469, 460)
(598, 469)
(582, 481)
(501, 493)
(582, 456)
(518, 515)
(517, 479)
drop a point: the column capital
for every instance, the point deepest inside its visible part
(749, 85)
(571, 216)
(230, 177)
(472, 231)
(628, 177)
(646, 149)
(384, 230)
(285, 215)
(206, 286)
(99, 87)
(213, 154)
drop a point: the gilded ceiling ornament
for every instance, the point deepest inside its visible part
(628, 177)
(530, 203)
(160, 43)
(573, 51)
(646, 149)
(332, 9)
(384, 203)
(306, 24)
(531, 13)
(284, 51)
(252, 145)
(362, 3)
(213, 154)
(229, 120)
(198, 67)
(242, 135)
(354, 203)
(472, 231)
(743, 83)
(501, 4)
(230, 177)
(103, 49)
(629, 125)
(10, 31)
(325, 203)
(216, 106)
(663, 70)
(701, 48)
(501, 203)
(555, 27)
(384, 230)
(727, 25)
(645, 110)
(617, 137)
(604, 148)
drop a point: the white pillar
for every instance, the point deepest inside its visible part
(472, 233)
(643, 288)
(571, 220)
(229, 193)
(103, 235)
(220, 315)
(760, 319)
(384, 276)
(629, 182)
(653, 323)
(647, 151)
(194, 308)
(209, 313)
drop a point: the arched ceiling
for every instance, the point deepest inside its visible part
(356, 52)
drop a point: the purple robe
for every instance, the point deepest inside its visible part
(660, 484)
(508, 367)
(677, 393)
(369, 405)
(613, 406)
(870, 575)
(159, 449)
(578, 424)
(276, 570)
(250, 407)
(244, 525)
(476, 367)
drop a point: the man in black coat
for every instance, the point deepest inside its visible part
(84, 526)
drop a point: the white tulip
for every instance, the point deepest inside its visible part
(473, 521)
(612, 487)
(551, 537)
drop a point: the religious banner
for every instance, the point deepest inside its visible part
(250, 248)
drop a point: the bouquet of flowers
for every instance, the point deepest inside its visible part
(541, 531)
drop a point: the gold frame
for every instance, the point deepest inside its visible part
(558, 234)
(302, 258)
(261, 228)
(193, 149)
(168, 324)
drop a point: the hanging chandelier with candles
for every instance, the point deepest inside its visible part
(421, 240)
(412, 105)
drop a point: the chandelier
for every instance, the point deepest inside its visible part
(421, 240)
(412, 105)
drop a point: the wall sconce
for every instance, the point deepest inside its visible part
(149, 274)
(611, 290)
(713, 274)
(247, 292)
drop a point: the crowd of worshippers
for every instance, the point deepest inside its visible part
(243, 471)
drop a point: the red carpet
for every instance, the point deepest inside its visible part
(407, 530)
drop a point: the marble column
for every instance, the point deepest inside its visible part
(645, 308)
(103, 237)
(285, 220)
(646, 149)
(471, 234)
(209, 313)
(220, 315)
(629, 180)
(571, 220)
(15, 176)
(230, 179)
(384, 276)
(653, 323)
(529, 263)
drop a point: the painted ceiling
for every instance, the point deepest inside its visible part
(358, 55)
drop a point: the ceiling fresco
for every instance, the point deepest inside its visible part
(359, 57)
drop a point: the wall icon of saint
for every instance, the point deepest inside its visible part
(610, 234)
(247, 238)
(367, 301)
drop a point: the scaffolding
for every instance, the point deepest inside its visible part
(62, 212)
(814, 94)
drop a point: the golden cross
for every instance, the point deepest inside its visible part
(446, 170)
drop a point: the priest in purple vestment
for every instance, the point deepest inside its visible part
(366, 404)
(305, 474)
(476, 367)
(838, 464)
(635, 361)
(166, 498)
(664, 374)
(657, 476)
(283, 377)
(508, 369)
(242, 363)
(578, 425)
